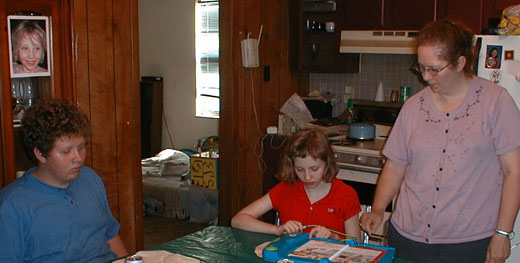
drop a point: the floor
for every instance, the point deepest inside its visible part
(158, 230)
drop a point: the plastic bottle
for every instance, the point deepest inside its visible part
(379, 93)
(350, 108)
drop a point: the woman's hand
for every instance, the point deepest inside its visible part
(290, 226)
(370, 221)
(498, 250)
(321, 232)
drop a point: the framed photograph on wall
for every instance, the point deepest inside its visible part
(29, 46)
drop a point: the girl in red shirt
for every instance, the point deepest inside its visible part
(309, 197)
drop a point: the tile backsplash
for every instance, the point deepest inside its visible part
(393, 70)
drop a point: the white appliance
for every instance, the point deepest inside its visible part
(504, 69)
(378, 42)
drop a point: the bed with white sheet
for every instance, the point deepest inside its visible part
(167, 190)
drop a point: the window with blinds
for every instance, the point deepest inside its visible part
(207, 58)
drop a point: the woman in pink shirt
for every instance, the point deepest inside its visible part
(453, 158)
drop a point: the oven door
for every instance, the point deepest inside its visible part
(359, 162)
(365, 185)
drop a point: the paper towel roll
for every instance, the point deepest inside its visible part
(379, 94)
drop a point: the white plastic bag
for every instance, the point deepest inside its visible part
(167, 162)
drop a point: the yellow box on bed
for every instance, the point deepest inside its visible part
(204, 170)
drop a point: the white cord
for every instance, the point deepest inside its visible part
(167, 129)
(258, 154)
(253, 102)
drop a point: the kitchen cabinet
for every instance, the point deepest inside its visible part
(458, 11)
(388, 14)
(95, 65)
(317, 50)
(492, 10)
(14, 156)
(410, 14)
(363, 15)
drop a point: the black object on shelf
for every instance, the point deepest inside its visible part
(318, 108)
(319, 6)
(151, 115)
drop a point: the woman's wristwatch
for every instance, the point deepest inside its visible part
(508, 235)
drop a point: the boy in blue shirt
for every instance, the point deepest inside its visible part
(58, 211)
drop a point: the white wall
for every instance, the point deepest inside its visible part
(167, 49)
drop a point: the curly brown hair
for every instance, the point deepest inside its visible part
(50, 120)
(303, 143)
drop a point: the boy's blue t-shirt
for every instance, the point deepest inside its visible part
(43, 223)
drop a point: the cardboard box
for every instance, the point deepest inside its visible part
(204, 170)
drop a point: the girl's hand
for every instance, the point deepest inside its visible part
(290, 226)
(320, 232)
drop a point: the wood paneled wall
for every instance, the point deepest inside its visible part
(106, 79)
(95, 64)
(249, 104)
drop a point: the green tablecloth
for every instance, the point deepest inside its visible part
(218, 244)
(222, 244)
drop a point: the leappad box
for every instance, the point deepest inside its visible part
(298, 248)
(204, 170)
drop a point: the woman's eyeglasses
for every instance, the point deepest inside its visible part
(432, 71)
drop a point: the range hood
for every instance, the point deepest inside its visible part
(378, 42)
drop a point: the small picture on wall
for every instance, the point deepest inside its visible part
(494, 56)
(29, 48)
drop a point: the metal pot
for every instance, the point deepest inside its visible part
(362, 131)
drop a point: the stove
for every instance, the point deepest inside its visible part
(360, 161)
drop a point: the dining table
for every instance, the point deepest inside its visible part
(218, 244)
(222, 244)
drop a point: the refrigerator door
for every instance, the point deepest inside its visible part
(502, 67)
(515, 244)
(499, 61)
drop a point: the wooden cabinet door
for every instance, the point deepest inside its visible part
(312, 33)
(492, 10)
(363, 15)
(58, 84)
(408, 14)
(388, 14)
(458, 12)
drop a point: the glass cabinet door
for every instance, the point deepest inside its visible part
(38, 66)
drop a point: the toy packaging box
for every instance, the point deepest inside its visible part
(204, 170)
(298, 248)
